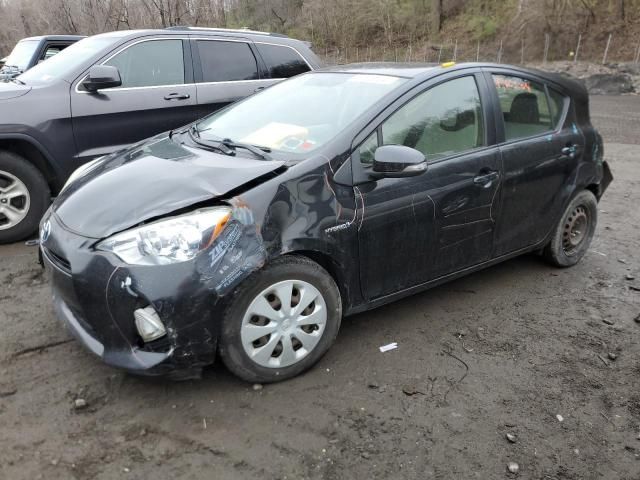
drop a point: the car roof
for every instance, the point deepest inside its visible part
(253, 35)
(62, 38)
(424, 71)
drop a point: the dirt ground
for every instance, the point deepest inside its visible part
(550, 356)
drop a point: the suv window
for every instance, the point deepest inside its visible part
(283, 62)
(226, 61)
(150, 64)
(442, 121)
(524, 106)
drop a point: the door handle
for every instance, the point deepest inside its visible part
(177, 96)
(569, 151)
(258, 89)
(486, 179)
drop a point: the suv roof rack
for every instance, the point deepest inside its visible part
(229, 30)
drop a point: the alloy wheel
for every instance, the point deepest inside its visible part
(283, 324)
(14, 200)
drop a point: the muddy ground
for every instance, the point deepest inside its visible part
(506, 350)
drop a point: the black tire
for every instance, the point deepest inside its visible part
(288, 267)
(39, 196)
(564, 249)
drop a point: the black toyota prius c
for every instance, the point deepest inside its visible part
(249, 235)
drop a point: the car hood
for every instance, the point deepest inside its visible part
(148, 180)
(12, 89)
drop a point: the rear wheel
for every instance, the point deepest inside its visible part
(24, 197)
(573, 234)
(281, 321)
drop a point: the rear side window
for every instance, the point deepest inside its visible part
(282, 62)
(556, 104)
(524, 106)
(226, 61)
(151, 64)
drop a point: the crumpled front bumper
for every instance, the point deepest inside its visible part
(95, 296)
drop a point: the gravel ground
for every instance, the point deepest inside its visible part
(550, 356)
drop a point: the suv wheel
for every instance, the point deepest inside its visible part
(280, 321)
(24, 197)
(572, 236)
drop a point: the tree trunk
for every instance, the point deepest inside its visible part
(436, 14)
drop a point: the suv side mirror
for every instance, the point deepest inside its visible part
(397, 161)
(102, 76)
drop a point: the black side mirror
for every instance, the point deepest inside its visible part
(397, 161)
(100, 77)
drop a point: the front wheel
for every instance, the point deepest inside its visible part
(573, 234)
(280, 321)
(24, 197)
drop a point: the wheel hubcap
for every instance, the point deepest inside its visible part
(575, 230)
(283, 324)
(14, 200)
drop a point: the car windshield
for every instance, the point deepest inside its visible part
(67, 60)
(22, 54)
(301, 114)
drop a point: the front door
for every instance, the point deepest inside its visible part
(157, 95)
(540, 148)
(420, 228)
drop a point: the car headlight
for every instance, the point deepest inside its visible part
(80, 171)
(172, 240)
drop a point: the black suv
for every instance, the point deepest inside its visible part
(29, 52)
(111, 90)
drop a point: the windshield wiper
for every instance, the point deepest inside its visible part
(195, 136)
(17, 80)
(228, 146)
(260, 152)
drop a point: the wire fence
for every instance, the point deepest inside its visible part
(547, 49)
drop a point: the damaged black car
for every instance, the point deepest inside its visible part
(250, 234)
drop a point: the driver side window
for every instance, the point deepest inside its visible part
(151, 63)
(442, 121)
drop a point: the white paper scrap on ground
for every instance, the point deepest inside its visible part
(391, 346)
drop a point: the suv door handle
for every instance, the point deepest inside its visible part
(177, 96)
(569, 151)
(486, 179)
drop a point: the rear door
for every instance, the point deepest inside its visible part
(420, 228)
(226, 70)
(540, 148)
(157, 94)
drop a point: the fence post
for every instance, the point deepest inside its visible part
(440, 53)
(637, 59)
(455, 50)
(499, 59)
(606, 49)
(546, 47)
(575, 57)
(478, 51)
(522, 52)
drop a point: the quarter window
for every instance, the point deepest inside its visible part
(524, 107)
(226, 61)
(444, 120)
(283, 62)
(151, 64)
(556, 103)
